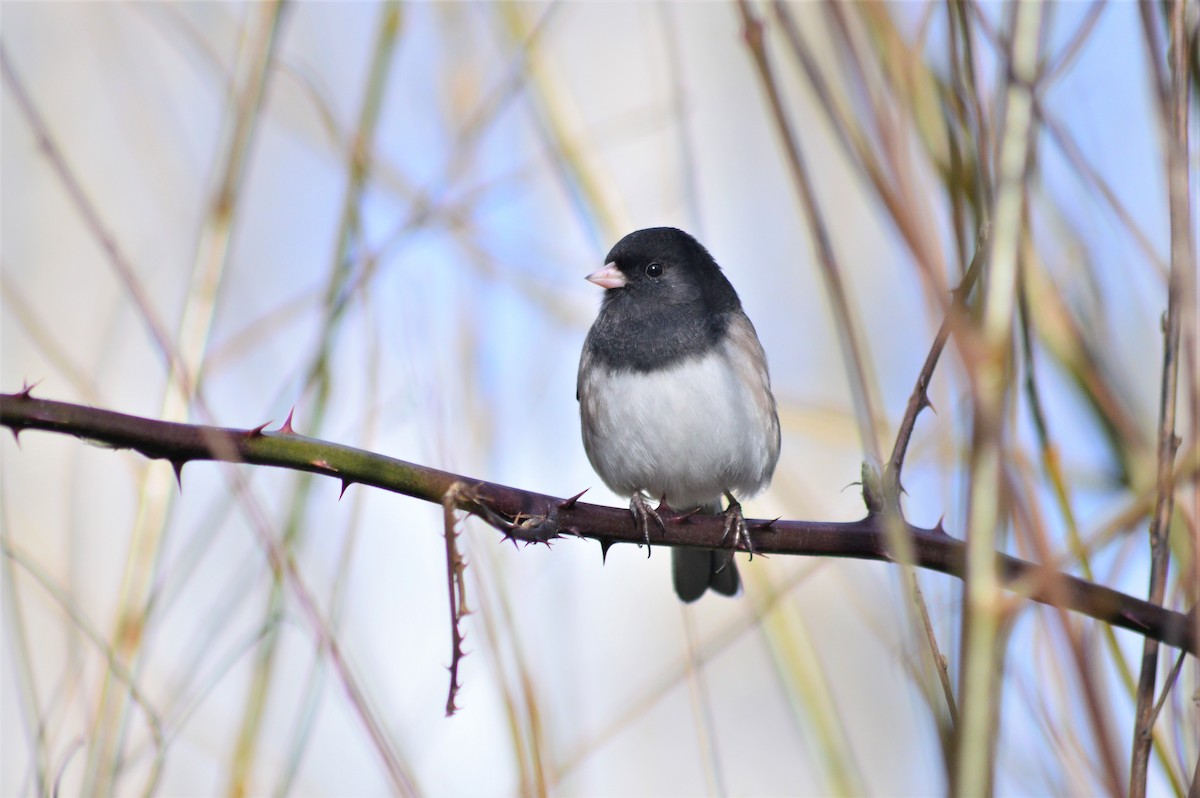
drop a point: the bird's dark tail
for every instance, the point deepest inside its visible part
(696, 570)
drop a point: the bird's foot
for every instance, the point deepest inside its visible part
(736, 531)
(642, 514)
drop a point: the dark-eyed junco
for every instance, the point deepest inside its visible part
(674, 394)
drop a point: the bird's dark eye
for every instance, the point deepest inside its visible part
(654, 269)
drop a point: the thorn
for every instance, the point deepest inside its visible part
(286, 429)
(178, 466)
(567, 504)
(16, 433)
(257, 431)
(929, 404)
(938, 528)
(848, 485)
(769, 524)
(345, 484)
(605, 545)
(27, 389)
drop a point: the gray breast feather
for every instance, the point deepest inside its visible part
(689, 432)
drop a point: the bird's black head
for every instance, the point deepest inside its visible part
(663, 266)
(666, 300)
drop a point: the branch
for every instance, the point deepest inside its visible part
(456, 588)
(531, 517)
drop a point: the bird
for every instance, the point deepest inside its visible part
(675, 397)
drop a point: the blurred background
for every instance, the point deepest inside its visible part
(381, 215)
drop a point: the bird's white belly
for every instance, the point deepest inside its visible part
(689, 432)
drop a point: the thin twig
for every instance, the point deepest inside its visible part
(939, 663)
(1172, 677)
(1172, 94)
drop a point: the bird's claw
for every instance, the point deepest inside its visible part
(642, 512)
(735, 527)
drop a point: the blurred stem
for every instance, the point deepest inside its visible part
(658, 688)
(799, 664)
(24, 673)
(982, 653)
(590, 191)
(114, 666)
(156, 491)
(689, 172)
(801, 660)
(850, 336)
(314, 688)
(1051, 462)
(896, 199)
(904, 99)
(1028, 520)
(515, 679)
(90, 215)
(22, 311)
(706, 728)
(969, 95)
(318, 376)
(1172, 94)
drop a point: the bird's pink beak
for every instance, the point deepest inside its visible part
(608, 277)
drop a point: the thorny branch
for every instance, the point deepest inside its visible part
(532, 517)
(919, 400)
(456, 586)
